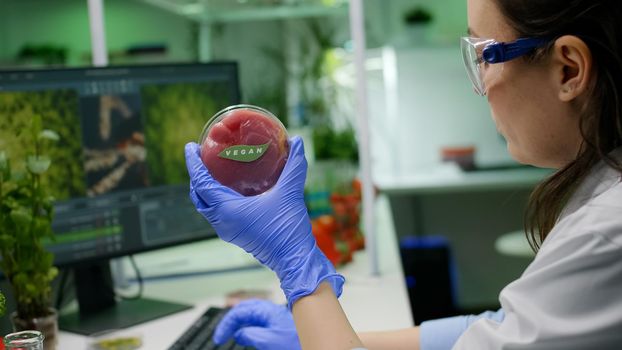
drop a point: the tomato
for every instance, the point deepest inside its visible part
(327, 223)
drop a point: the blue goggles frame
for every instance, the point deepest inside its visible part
(478, 51)
(498, 52)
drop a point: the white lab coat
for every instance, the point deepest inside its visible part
(570, 296)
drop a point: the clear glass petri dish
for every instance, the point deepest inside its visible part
(245, 148)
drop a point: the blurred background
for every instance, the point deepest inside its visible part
(455, 193)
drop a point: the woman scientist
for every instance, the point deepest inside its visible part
(552, 73)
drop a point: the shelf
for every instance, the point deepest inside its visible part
(206, 13)
(450, 179)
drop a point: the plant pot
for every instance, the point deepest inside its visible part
(48, 325)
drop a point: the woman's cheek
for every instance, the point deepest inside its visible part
(496, 113)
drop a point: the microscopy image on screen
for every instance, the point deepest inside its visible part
(59, 112)
(174, 114)
(114, 143)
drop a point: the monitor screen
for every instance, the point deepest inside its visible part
(118, 170)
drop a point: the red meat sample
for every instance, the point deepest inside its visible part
(246, 150)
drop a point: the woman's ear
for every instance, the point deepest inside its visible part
(573, 61)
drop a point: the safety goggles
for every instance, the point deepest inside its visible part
(482, 57)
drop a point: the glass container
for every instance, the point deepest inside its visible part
(24, 340)
(245, 148)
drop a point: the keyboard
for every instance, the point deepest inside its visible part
(199, 335)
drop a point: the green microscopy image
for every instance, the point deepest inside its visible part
(174, 114)
(58, 110)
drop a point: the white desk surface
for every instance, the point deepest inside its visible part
(449, 178)
(371, 303)
(514, 244)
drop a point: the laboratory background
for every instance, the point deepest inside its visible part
(108, 92)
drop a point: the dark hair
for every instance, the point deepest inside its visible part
(597, 23)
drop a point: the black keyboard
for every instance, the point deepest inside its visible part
(199, 335)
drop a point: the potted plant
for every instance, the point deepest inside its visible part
(417, 21)
(25, 224)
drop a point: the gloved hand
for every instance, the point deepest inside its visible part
(274, 226)
(260, 324)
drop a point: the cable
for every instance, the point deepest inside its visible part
(139, 278)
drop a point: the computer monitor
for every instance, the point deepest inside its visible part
(118, 170)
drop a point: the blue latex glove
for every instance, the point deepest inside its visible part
(274, 227)
(260, 324)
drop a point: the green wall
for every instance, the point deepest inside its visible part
(3, 38)
(385, 20)
(65, 23)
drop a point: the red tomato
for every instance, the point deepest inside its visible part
(340, 209)
(357, 186)
(327, 223)
(325, 242)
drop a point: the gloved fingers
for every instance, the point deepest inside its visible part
(225, 330)
(246, 313)
(295, 171)
(256, 337)
(196, 200)
(268, 339)
(205, 186)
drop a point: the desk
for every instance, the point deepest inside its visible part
(472, 210)
(514, 244)
(371, 303)
(448, 178)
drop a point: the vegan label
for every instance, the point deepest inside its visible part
(244, 153)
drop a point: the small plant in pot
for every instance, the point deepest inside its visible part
(418, 16)
(26, 212)
(417, 21)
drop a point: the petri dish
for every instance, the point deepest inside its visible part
(245, 148)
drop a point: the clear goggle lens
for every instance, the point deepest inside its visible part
(476, 67)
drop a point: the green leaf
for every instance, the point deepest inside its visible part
(7, 241)
(26, 264)
(52, 273)
(2, 304)
(7, 188)
(38, 165)
(17, 175)
(244, 153)
(46, 261)
(31, 289)
(21, 217)
(5, 168)
(3, 160)
(20, 280)
(41, 279)
(9, 202)
(42, 227)
(36, 124)
(49, 135)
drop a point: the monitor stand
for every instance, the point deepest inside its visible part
(99, 309)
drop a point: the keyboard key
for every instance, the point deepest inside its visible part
(199, 335)
(199, 341)
(230, 345)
